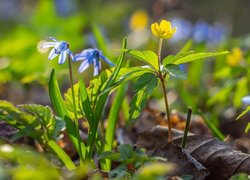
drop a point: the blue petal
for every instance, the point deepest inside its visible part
(83, 66)
(62, 58)
(97, 67)
(79, 57)
(48, 44)
(106, 59)
(246, 100)
(70, 54)
(53, 39)
(52, 54)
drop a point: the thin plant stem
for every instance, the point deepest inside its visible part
(159, 52)
(163, 85)
(75, 113)
(167, 109)
(184, 138)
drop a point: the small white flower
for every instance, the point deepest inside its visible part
(60, 48)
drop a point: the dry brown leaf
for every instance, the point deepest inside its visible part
(186, 164)
(217, 156)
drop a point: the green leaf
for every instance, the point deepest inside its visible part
(126, 151)
(73, 135)
(111, 156)
(221, 95)
(247, 127)
(144, 88)
(128, 75)
(60, 125)
(61, 155)
(101, 102)
(216, 132)
(97, 85)
(197, 56)
(186, 47)
(21, 120)
(241, 91)
(244, 113)
(112, 122)
(86, 105)
(56, 97)
(148, 57)
(170, 59)
(175, 71)
(99, 39)
(42, 114)
(69, 102)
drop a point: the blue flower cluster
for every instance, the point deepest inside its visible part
(87, 56)
(199, 32)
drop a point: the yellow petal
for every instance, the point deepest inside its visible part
(153, 29)
(165, 25)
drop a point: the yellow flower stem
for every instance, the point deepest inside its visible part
(163, 85)
(75, 113)
(159, 52)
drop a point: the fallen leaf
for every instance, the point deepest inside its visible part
(217, 156)
(185, 163)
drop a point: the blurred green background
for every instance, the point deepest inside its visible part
(211, 25)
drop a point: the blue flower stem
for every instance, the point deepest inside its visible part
(75, 114)
(163, 85)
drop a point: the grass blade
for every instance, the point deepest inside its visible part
(216, 132)
(112, 121)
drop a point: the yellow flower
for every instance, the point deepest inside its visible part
(163, 30)
(139, 20)
(234, 58)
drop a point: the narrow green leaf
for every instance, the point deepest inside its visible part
(244, 113)
(175, 71)
(99, 39)
(85, 102)
(73, 135)
(112, 121)
(216, 132)
(247, 127)
(197, 56)
(56, 97)
(102, 100)
(53, 146)
(240, 91)
(148, 57)
(186, 47)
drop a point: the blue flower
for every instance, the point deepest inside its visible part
(60, 48)
(91, 56)
(246, 100)
(200, 31)
(184, 29)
